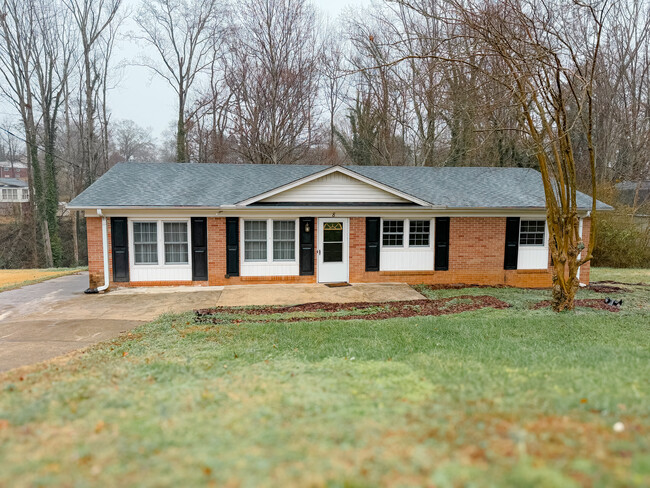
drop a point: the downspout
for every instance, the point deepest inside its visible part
(105, 254)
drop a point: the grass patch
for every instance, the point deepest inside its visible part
(638, 275)
(507, 397)
(11, 279)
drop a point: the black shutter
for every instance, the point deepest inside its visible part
(441, 257)
(232, 246)
(372, 243)
(307, 246)
(120, 245)
(199, 249)
(512, 243)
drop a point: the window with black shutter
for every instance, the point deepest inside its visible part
(373, 233)
(232, 246)
(120, 246)
(512, 243)
(199, 249)
(441, 257)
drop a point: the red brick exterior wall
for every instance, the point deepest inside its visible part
(95, 251)
(476, 253)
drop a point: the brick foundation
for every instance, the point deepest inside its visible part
(476, 251)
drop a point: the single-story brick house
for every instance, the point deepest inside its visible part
(220, 224)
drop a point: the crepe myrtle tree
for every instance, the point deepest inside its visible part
(545, 53)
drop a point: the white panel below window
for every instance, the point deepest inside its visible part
(160, 273)
(532, 257)
(406, 259)
(269, 269)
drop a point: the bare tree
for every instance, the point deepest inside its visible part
(132, 142)
(333, 81)
(183, 34)
(547, 54)
(18, 57)
(272, 72)
(93, 19)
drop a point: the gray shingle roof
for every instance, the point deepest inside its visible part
(215, 185)
(13, 182)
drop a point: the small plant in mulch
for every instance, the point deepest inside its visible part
(595, 303)
(357, 310)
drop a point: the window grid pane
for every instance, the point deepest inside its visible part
(255, 240)
(284, 240)
(393, 233)
(531, 232)
(145, 242)
(176, 247)
(419, 232)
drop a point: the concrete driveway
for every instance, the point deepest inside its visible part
(48, 319)
(52, 318)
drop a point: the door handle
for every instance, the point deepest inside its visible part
(319, 252)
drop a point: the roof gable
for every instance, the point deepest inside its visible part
(335, 185)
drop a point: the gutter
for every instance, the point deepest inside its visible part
(105, 254)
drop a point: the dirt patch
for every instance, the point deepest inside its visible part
(598, 288)
(384, 310)
(595, 303)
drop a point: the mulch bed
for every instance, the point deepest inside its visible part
(598, 288)
(410, 308)
(460, 286)
(595, 303)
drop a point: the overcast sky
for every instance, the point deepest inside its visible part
(148, 100)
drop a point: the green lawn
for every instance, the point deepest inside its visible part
(512, 397)
(623, 275)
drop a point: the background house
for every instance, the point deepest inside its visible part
(14, 196)
(13, 169)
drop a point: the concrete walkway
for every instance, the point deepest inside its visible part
(239, 295)
(48, 319)
(52, 318)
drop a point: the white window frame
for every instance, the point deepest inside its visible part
(160, 233)
(419, 246)
(243, 241)
(25, 194)
(269, 241)
(295, 240)
(544, 239)
(187, 242)
(407, 233)
(157, 263)
(11, 195)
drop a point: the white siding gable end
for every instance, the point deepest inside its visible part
(335, 187)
